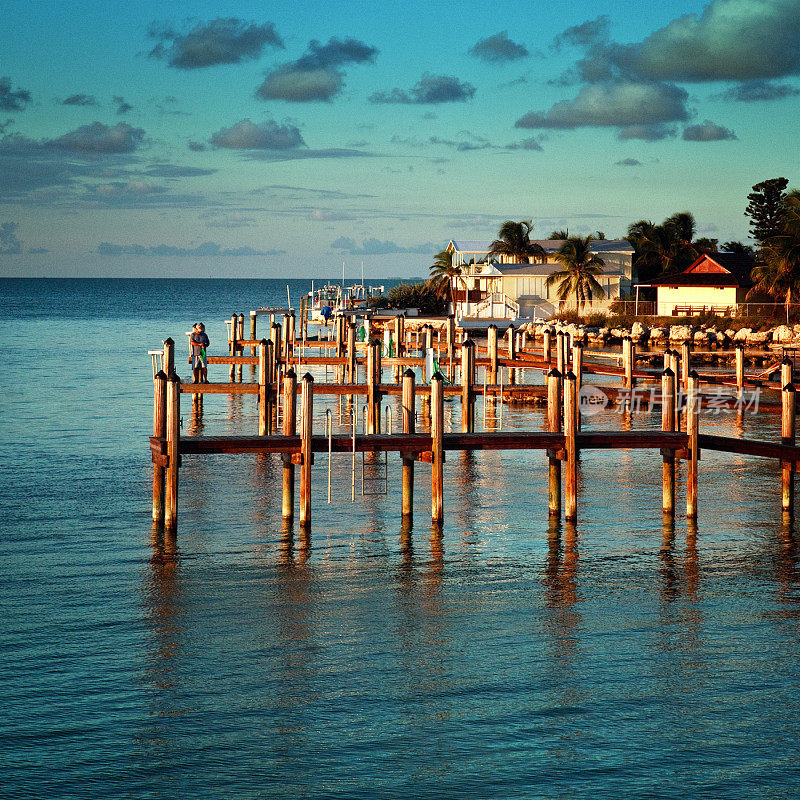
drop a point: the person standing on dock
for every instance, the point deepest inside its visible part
(199, 341)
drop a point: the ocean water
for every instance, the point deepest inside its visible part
(505, 657)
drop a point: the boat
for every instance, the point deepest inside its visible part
(323, 303)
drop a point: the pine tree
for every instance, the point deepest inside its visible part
(765, 208)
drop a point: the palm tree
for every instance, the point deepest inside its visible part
(577, 279)
(669, 247)
(443, 271)
(514, 239)
(778, 272)
(561, 234)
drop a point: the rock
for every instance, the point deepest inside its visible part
(639, 331)
(730, 333)
(701, 337)
(742, 334)
(657, 334)
(619, 333)
(759, 337)
(783, 333)
(680, 333)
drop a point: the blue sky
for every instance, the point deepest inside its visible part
(268, 140)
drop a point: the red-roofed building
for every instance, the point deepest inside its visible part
(716, 282)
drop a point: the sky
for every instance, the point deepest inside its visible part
(250, 139)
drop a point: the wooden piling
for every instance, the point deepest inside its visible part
(437, 448)
(289, 429)
(351, 352)
(409, 426)
(628, 353)
(263, 389)
(373, 398)
(168, 358)
(686, 363)
(173, 436)
(467, 393)
(679, 399)
(239, 338)
(290, 336)
(571, 450)
(560, 355)
(546, 335)
(451, 344)
(739, 369)
(787, 437)
(491, 346)
(692, 428)
(512, 353)
(159, 430)
(233, 346)
(668, 456)
(786, 371)
(306, 455)
(554, 403)
(253, 325)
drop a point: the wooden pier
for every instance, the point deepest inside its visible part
(273, 362)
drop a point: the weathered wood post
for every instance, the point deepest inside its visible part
(739, 353)
(351, 352)
(428, 336)
(667, 454)
(546, 335)
(289, 429)
(173, 433)
(409, 426)
(160, 431)
(451, 344)
(679, 399)
(786, 371)
(560, 365)
(287, 347)
(571, 448)
(692, 428)
(253, 325)
(437, 448)
(290, 336)
(306, 455)
(373, 403)
(400, 335)
(263, 388)
(467, 393)
(577, 369)
(627, 362)
(554, 403)
(512, 353)
(233, 346)
(168, 358)
(240, 349)
(491, 347)
(686, 363)
(523, 340)
(787, 437)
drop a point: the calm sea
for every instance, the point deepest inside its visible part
(504, 659)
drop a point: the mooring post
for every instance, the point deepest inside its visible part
(428, 336)
(512, 353)
(467, 395)
(554, 403)
(667, 454)
(400, 335)
(692, 428)
(253, 323)
(686, 363)
(491, 346)
(786, 371)
(739, 369)
(787, 437)
(437, 448)
(234, 326)
(560, 366)
(409, 426)
(287, 350)
(173, 432)
(373, 404)
(667, 358)
(160, 431)
(290, 336)
(306, 456)
(523, 337)
(570, 437)
(289, 429)
(679, 398)
(351, 352)
(240, 349)
(168, 359)
(272, 384)
(577, 369)
(263, 390)
(451, 344)
(546, 334)
(627, 361)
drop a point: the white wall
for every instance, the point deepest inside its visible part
(670, 296)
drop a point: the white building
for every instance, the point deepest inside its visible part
(504, 290)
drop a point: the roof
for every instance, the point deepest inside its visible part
(711, 269)
(550, 245)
